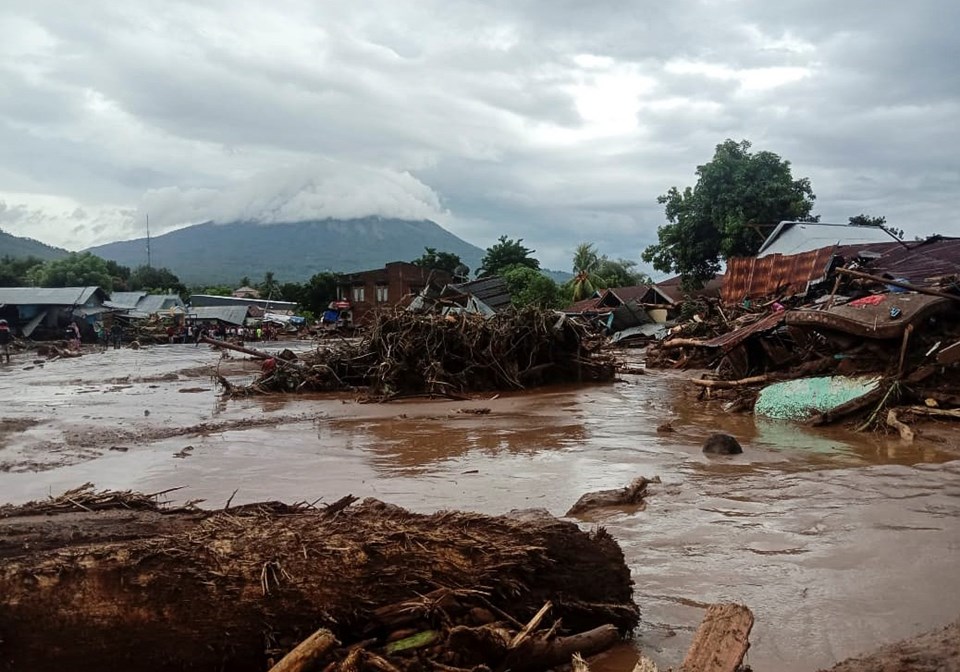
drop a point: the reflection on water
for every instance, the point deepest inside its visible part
(837, 541)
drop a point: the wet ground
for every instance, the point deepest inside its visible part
(837, 541)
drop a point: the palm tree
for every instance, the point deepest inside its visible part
(586, 261)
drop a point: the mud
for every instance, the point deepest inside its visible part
(837, 541)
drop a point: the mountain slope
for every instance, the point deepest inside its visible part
(15, 246)
(224, 253)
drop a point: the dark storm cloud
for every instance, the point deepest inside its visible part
(551, 120)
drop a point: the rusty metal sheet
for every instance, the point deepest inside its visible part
(734, 338)
(789, 275)
(873, 321)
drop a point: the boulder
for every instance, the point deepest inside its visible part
(722, 444)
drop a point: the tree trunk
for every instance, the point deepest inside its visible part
(232, 590)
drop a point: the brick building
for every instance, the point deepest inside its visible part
(385, 287)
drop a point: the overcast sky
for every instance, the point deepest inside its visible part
(552, 120)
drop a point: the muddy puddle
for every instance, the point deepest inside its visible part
(837, 541)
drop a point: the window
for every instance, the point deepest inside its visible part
(382, 291)
(358, 294)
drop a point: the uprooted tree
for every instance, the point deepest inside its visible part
(109, 581)
(739, 197)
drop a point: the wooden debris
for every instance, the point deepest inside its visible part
(630, 495)
(950, 354)
(721, 641)
(310, 650)
(952, 414)
(727, 384)
(905, 432)
(234, 589)
(405, 354)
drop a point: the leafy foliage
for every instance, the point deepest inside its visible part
(738, 195)
(16, 271)
(75, 270)
(156, 281)
(314, 295)
(867, 220)
(442, 261)
(593, 271)
(530, 287)
(503, 255)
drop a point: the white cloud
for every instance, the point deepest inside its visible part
(542, 120)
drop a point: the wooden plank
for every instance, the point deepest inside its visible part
(950, 354)
(721, 641)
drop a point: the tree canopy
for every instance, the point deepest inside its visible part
(449, 262)
(530, 287)
(156, 280)
(75, 270)
(867, 220)
(504, 254)
(739, 196)
(593, 271)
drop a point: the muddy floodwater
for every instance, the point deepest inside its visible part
(837, 541)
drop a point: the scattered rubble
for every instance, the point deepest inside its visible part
(845, 335)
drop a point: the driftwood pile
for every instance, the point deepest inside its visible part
(238, 589)
(407, 354)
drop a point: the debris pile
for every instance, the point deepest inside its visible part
(854, 342)
(409, 354)
(239, 588)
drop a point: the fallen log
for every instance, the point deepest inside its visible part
(728, 384)
(681, 343)
(721, 641)
(631, 495)
(952, 414)
(143, 590)
(309, 651)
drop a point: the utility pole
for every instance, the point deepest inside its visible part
(148, 240)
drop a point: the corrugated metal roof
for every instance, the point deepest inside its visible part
(493, 291)
(731, 339)
(155, 303)
(125, 300)
(788, 275)
(583, 306)
(228, 314)
(48, 296)
(671, 287)
(791, 238)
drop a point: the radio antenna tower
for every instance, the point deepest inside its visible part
(148, 241)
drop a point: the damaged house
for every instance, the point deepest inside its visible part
(44, 312)
(619, 309)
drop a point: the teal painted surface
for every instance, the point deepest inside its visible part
(799, 399)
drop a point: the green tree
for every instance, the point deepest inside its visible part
(530, 287)
(216, 290)
(441, 261)
(16, 271)
(867, 220)
(156, 281)
(621, 273)
(245, 281)
(586, 280)
(120, 275)
(75, 270)
(318, 292)
(504, 254)
(738, 196)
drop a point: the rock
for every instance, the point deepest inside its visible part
(665, 428)
(722, 444)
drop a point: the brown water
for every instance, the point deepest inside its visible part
(837, 541)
